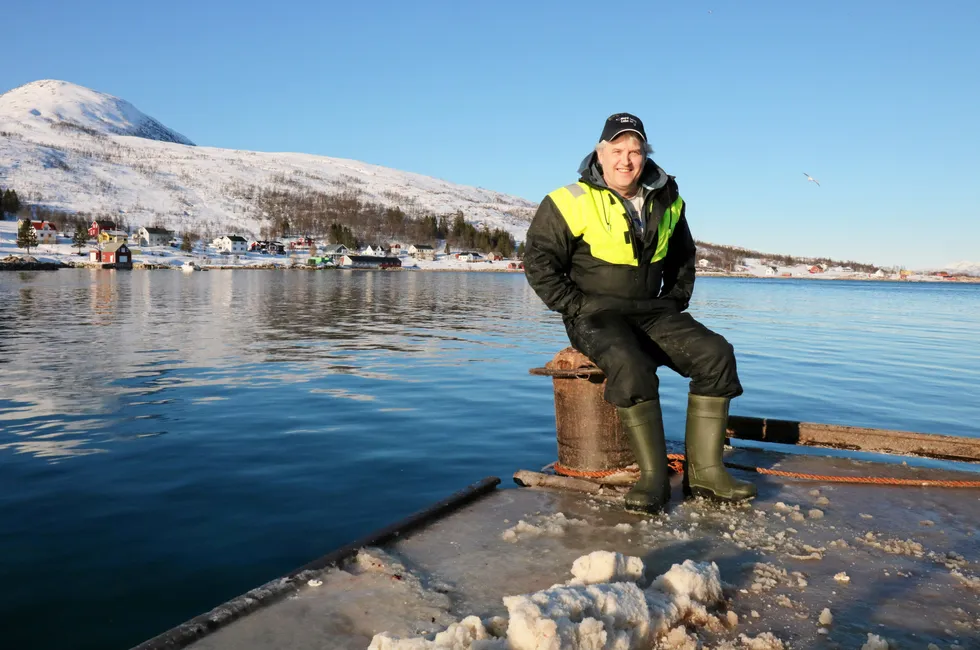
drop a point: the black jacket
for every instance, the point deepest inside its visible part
(562, 271)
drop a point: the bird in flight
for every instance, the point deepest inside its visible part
(811, 178)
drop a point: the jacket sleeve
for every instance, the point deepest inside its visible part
(679, 268)
(548, 260)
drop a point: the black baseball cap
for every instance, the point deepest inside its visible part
(621, 123)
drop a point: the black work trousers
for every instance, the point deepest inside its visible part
(629, 348)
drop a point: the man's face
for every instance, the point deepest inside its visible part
(622, 161)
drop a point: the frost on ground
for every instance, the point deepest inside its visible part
(875, 642)
(680, 610)
(971, 581)
(552, 525)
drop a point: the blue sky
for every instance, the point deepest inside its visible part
(877, 100)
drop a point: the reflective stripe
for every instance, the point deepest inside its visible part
(666, 228)
(600, 219)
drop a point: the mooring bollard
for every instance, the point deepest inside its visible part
(590, 437)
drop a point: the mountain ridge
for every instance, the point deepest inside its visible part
(72, 149)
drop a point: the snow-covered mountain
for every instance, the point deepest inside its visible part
(964, 268)
(74, 149)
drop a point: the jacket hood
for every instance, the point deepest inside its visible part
(652, 177)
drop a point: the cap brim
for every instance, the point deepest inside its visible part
(622, 131)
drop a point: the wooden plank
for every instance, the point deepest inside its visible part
(907, 443)
(527, 478)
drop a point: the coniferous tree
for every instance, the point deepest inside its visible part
(186, 244)
(9, 202)
(26, 236)
(80, 238)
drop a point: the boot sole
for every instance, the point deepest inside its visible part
(645, 510)
(707, 493)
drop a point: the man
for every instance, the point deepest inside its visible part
(613, 254)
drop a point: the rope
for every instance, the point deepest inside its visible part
(676, 464)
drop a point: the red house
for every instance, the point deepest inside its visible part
(98, 226)
(117, 254)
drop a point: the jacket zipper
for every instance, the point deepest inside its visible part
(630, 234)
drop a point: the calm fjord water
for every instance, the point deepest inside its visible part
(168, 440)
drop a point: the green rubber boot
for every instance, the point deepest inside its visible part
(644, 426)
(704, 438)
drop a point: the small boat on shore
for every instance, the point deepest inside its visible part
(190, 266)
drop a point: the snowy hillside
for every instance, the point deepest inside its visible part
(964, 268)
(49, 103)
(74, 149)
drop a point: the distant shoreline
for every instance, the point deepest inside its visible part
(140, 266)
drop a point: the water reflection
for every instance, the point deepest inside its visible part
(103, 356)
(124, 343)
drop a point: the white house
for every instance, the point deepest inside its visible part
(771, 270)
(45, 231)
(153, 236)
(422, 252)
(233, 244)
(469, 256)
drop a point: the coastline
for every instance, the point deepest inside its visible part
(62, 254)
(49, 265)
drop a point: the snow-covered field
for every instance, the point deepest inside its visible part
(74, 149)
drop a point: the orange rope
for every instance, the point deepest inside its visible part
(677, 465)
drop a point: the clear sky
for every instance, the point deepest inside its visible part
(879, 101)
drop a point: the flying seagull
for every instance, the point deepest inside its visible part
(811, 178)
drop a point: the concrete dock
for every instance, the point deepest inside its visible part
(899, 563)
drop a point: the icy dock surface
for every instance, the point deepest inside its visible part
(806, 565)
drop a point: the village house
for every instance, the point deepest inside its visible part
(153, 236)
(45, 231)
(113, 237)
(495, 256)
(422, 252)
(271, 247)
(230, 244)
(98, 226)
(771, 270)
(378, 250)
(703, 263)
(468, 256)
(335, 251)
(300, 243)
(815, 269)
(116, 253)
(369, 262)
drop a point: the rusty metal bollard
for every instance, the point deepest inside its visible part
(590, 436)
